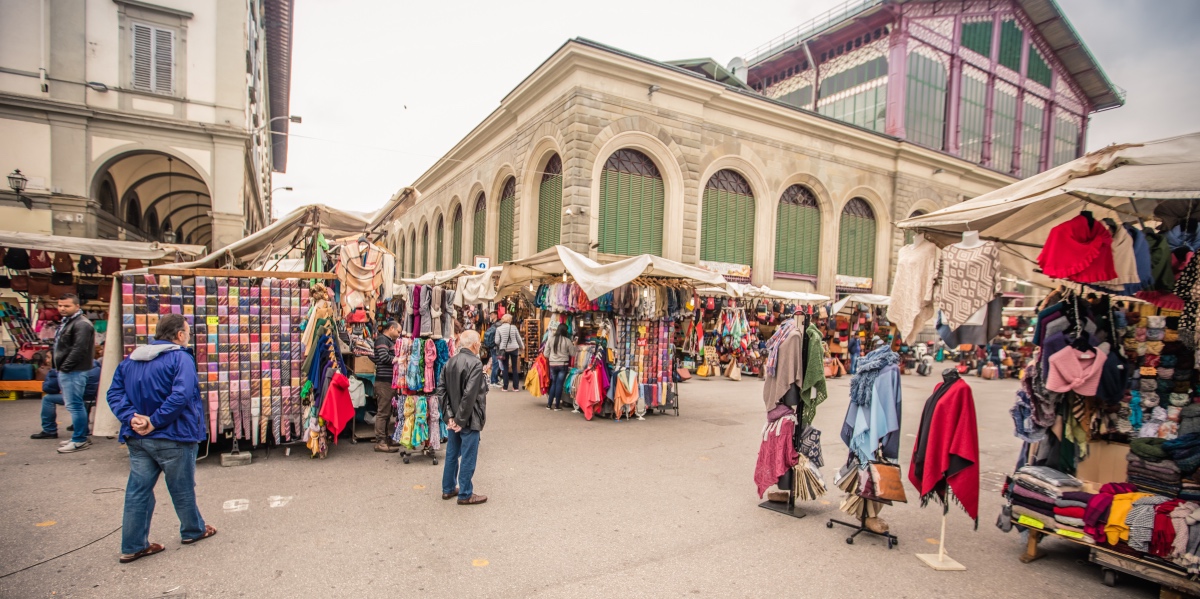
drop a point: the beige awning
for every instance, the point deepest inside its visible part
(282, 235)
(109, 248)
(1124, 182)
(597, 279)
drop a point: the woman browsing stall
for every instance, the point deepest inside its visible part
(558, 350)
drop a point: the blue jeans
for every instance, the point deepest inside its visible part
(50, 403)
(177, 462)
(73, 385)
(462, 446)
(558, 380)
(853, 362)
(497, 367)
(511, 370)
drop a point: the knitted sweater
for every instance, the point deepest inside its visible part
(970, 279)
(1073, 370)
(912, 291)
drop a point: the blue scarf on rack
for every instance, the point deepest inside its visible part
(868, 369)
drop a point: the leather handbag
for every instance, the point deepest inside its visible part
(5, 282)
(20, 283)
(886, 482)
(683, 373)
(39, 259)
(63, 262)
(62, 278)
(702, 370)
(89, 292)
(734, 372)
(57, 291)
(106, 291)
(39, 284)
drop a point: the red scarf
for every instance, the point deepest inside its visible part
(1077, 252)
(947, 450)
(338, 408)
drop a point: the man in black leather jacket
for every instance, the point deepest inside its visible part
(464, 399)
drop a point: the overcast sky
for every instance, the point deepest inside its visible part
(386, 88)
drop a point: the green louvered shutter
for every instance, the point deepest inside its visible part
(479, 228)
(424, 251)
(438, 236)
(508, 208)
(631, 205)
(727, 219)
(456, 237)
(549, 230)
(856, 240)
(412, 255)
(400, 258)
(798, 232)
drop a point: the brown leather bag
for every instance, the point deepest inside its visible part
(20, 283)
(57, 290)
(63, 262)
(886, 482)
(39, 284)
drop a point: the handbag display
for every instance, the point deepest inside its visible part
(63, 262)
(886, 482)
(734, 372)
(39, 259)
(990, 372)
(683, 374)
(39, 284)
(702, 371)
(20, 283)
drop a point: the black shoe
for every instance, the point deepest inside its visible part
(43, 435)
(70, 428)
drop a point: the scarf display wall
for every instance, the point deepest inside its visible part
(247, 341)
(426, 311)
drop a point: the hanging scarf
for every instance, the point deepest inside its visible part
(812, 389)
(775, 342)
(1079, 253)
(868, 369)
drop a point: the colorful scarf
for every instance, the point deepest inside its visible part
(813, 390)
(869, 367)
(775, 342)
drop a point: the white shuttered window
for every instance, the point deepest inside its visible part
(153, 59)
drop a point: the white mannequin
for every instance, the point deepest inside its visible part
(918, 240)
(970, 239)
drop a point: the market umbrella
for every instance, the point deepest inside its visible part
(1127, 182)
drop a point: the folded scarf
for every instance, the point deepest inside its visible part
(1065, 503)
(1069, 512)
(1162, 373)
(1179, 400)
(1148, 384)
(1150, 449)
(1033, 496)
(1069, 521)
(1150, 399)
(1041, 508)
(1078, 496)
(1165, 466)
(1048, 494)
(1052, 477)
(1047, 520)
(1169, 360)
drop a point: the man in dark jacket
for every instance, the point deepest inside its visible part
(385, 352)
(464, 396)
(156, 397)
(74, 352)
(52, 398)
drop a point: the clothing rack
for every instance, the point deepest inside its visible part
(860, 528)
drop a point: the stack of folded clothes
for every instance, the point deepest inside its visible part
(1069, 511)
(1152, 469)
(1035, 491)
(1161, 477)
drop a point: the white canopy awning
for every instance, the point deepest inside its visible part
(442, 276)
(752, 291)
(1120, 181)
(597, 279)
(862, 298)
(109, 248)
(282, 235)
(477, 288)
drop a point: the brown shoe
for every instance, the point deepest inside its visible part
(385, 448)
(151, 550)
(449, 496)
(473, 500)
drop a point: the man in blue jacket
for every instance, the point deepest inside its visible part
(156, 396)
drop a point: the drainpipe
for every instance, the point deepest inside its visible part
(45, 87)
(816, 75)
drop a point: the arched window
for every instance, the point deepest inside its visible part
(631, 205)
(550, 205)
(133, 212)
(479, 225)
(856, 240)
(150, 224)
(438, 236)
(424, 250)
(400, 257)
(108, 197)
(727, 219)
(456, 237)
(508, 209)
(910, 234)
(412, 254)
(798, 233)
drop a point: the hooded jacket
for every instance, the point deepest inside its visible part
(159, 381)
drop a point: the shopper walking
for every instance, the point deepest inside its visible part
(489, 345)
(509, 344)
(74, 348)
(156, 397)
(464, 395)
(385, 352)
(558, 352)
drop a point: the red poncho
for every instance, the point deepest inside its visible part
(337, 409)
(947, 448)
(1079, 253)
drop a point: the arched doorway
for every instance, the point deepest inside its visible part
(152, 196)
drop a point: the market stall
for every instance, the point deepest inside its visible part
(623, 316)
(273, 350)
(1108, 409)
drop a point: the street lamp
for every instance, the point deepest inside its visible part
(17, 182)
(168, 235)
(293, 118)
(271, 194)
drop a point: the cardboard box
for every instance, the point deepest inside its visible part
(1104, 464)
(363, 365)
